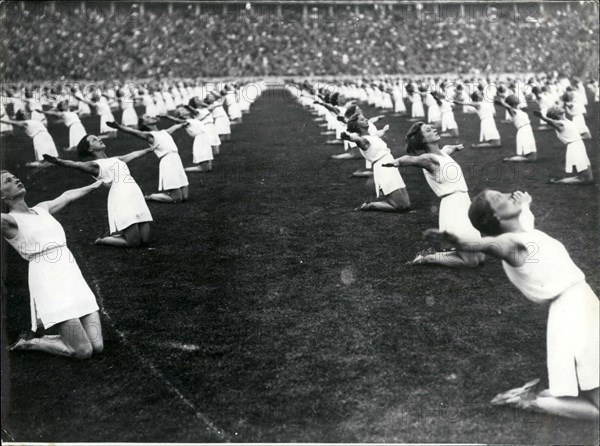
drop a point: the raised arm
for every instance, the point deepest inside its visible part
(374, 119)
(89, 167)
(69, 196)
(51, 113)
(147, 136)
(551, 122)
(136, 154)
(176, 127)
(362, 143)
(504, 246)
(470, 104)
(329, 107)
(172, 118)
(450, 149)
(502, 103)
(424, 161)
(90, 103)
(11, 122)
(382, 131)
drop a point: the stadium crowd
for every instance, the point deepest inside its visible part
(178, 43)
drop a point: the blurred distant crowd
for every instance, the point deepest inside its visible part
(177, 43)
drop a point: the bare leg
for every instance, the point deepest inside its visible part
(144, 229)
(361, 173)
(583, 407)
(216, 150)
(128, 238)
(185, 193)
(194, 169)
(72, 341)
(494, 143)
(169, 196)
(583, 177)
(93, 328)
(529, 158)
(396, 201)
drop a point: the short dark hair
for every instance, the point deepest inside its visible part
(482, 216)
(512, 100)
(414, 139)
(83, 148)
(142, 126)
(352, 125)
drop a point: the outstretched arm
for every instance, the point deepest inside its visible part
(80, 99)
(51, 113)
(362, 143)
(450, 149)
(172, 118)
(11, 122)
(383, 131)
(329, 107)
(147, 136)
(502, 103)
(136, 154)
(470, 104)
(176, 127)
(551, 122)
(504, 246)
(425, 161)
(85, 167)
(53, 206)
(374, 119)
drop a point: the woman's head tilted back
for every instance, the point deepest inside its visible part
(83, 148)
(512, 100)
(555, 113)
(483, 217)
(353, 123)
(415, 142)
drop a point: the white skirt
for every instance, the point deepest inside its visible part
(399, 106)
(171, 174)
(58, 292)
(448, 121)
(222, 125)
(525, 141)
(39, 116)
(150, 110)
(387, 179)
(104, 118)
(434, 114)
(576, 156)
(454, 216)
(43, 144)
(234, 111)
(202, 149)
(129, 117)
(213, 136)
(126, 205)
(76, 133)
(572, 341)
(417, 110)
(488, 131)
(579, 121)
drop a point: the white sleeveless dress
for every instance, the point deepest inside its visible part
(103, 109)
(525, 140)
(550, 276)
(57, 290)
(222, 123)
(171, 174)
(129, 117)
(448, 183)
(126, 204)
(488, 130)
(576, 154)
(76, 128)
(43, 144)
(386, 179)
(202, 150)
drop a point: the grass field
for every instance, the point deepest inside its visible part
(267, 310)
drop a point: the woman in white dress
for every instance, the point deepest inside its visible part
(448, 122)
(576, 159)
(526, 147)
(126, 98)
(100, 103)
(222, 123)
(576, 109)
(206, 117)
(375, 151)
(488, 133)
(201, 149)
(541, 269)
(42, 140)
(59, 295)
(71, 121)
(172, 180)
(128, 214)
(447, 181)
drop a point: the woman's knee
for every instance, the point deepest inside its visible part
(176, 195)
(132, 236)
(399, 200)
